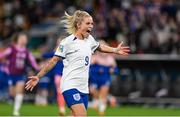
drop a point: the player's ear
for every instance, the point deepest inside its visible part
(78, 25)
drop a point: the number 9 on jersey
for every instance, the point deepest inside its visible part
(86, 60)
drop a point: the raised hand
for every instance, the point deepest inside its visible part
(122, 50)
(32, 82)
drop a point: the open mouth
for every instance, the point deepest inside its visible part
(88, 31)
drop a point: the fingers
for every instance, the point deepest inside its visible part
(125, 50)
(124, 53)
(121, 43)
(28, 82)
(31, 77)
(125, 47)
(31, 88)
(29, 85)
(119, 46)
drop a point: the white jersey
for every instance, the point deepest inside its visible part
(77, 55)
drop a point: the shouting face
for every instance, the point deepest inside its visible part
(85, 26)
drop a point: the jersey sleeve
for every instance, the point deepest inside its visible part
(94, 44)
(61, 49)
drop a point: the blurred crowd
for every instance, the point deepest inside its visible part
(148, 26)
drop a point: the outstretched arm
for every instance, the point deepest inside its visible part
(5, 53)
(51, 63)
(35, 79)
(120, 49)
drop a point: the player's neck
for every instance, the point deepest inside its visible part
(79, 35)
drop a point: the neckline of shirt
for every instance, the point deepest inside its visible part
(75, 38)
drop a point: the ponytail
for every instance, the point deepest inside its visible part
(70, 21)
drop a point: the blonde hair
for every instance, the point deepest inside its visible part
(70, 21)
